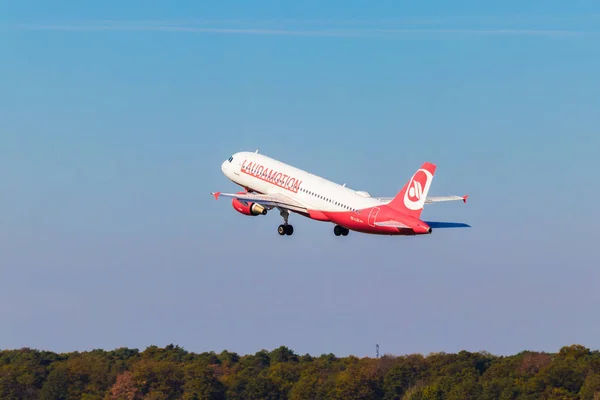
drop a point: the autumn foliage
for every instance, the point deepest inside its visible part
(174, 373)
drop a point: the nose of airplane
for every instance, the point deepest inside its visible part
(224, 167)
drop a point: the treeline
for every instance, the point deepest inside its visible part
(174, 373)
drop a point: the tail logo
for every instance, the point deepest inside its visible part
(416, 191)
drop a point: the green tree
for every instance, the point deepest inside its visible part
(359, 381)
(175, 373)
(283, 354)
(164, 379)
(56, 386)
(201, 383)
(284, 375)
(400, 378)
(591, 387)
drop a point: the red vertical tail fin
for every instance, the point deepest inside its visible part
(411, 199)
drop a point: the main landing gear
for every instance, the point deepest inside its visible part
(285, 228)
(340, 230)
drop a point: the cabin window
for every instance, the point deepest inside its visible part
(230, 159)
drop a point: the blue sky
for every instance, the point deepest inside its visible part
(114, 121)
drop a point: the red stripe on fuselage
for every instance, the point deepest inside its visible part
(364, 221)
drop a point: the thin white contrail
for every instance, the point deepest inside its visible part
(424, 19)
(156, 26)
(521, 32)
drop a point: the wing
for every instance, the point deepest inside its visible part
(267, 200)
(430, 200)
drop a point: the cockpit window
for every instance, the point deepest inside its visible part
(231, 159)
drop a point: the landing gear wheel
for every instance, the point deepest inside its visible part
(285, 229)
(340, 230)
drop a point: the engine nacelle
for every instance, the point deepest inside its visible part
(249, 208)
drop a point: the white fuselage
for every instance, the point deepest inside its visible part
(266, 175)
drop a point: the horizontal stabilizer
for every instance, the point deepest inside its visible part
(439, 225)
(438, 199)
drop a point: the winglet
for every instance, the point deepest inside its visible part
(465, 198)
(216, 194)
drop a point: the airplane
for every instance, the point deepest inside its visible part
(270, 184)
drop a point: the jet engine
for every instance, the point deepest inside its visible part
(249, 208)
